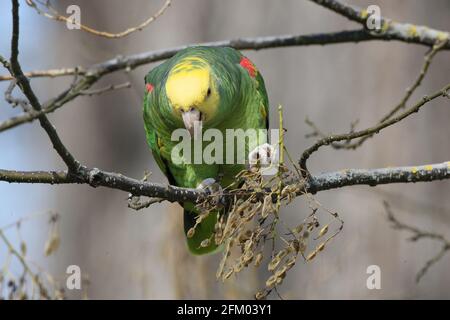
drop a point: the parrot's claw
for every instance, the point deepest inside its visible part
(264, 156)
(210, 185)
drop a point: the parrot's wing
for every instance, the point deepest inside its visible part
(263, 96)
(152, 135)
(152, 139)
(238, 58)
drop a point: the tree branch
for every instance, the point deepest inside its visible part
(24, 84)
(369, 131)
(419, 234)
(51, 13)
(374, 177)
(349, 145)
(92, 74)
(325, 181)
(390, 29)
(256, 43)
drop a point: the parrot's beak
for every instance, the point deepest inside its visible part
(192, 120)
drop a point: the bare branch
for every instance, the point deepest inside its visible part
(66, 96)
(256, 43)
(15, 101)
(111, 87)
(369, 131)
(24, 84)
(419, 234)
(352, 146)
(51, 13)
(325, 181)
(135, 203)
(92, 74)
(390, 29)
(374, 177)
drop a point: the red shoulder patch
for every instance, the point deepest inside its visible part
(149, 87)
(249, 66)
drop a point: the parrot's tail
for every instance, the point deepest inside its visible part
(203, 231)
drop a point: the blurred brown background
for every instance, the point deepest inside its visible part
(142, 255)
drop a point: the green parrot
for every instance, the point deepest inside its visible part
(217, 88)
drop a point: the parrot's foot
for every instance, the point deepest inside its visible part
(210, 185)
(262, 156)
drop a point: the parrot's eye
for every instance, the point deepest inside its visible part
(208, 93)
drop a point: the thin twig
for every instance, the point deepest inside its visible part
(13, 100)
(51, 13)
(42, 290)
(24, 85)
(105, 89)
(369, 131)
(419, 234)
(417, 82)
(136, 204)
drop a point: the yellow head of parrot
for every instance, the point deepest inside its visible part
(192, 92)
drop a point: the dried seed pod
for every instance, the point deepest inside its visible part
(279, 280)
(248, 256)
(198, 220)
(191, 232)
(249, 217)
(52, 244)
(273, 264)
(289, 191)
(243, 238)
(291, 262)
(311, 256)
(248, 245)
(219, 271)
(282, 253)
(298, 228)
(260, 295)
(294, 246)
(281, 273)
(218, 237)
(258, 259)
(228, 247)
(228, 274)
(322, 232)
(205, 243)
(23, 248)
(271, 281)
(242, 207)
(267, 206)
(238, 267)
(320, 247)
